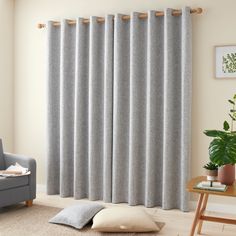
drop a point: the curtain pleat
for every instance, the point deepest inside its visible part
(121, 103)
(108, 109)
(186, 101)
(119, 117)
(154, 108)
(174, 194)
(53, 110)
(67, 85)
(96, 90)
(81, 110)
(137, 96)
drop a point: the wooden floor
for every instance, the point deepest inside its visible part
(177, 223)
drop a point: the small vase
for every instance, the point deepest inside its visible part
(211, 175)
(226, 174)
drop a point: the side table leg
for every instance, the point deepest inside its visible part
(202, 212)
(197, 214)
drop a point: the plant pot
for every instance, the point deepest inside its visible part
(226, 174)
(211, 175)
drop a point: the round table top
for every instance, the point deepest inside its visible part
(230, 192)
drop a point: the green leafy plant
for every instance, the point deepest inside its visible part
(222, 149)
(210, 166)
(229, 63)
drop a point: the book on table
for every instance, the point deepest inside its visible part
(213, 186)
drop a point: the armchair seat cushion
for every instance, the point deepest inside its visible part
(13, 182)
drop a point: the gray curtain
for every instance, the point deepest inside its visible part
(119, 109)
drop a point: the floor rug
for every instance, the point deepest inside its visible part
(20, 220)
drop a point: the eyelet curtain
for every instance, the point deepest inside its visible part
(119, 109)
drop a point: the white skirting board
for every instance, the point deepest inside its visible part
(221, 208)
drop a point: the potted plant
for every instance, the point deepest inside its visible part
(211, 171)
(222, 149)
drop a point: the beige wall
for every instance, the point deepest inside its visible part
(6, 74)
(215, 26)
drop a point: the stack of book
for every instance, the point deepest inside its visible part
(214, 186)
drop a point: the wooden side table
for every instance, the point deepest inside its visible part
(202, 203)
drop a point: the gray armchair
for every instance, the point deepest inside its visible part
(17, 189)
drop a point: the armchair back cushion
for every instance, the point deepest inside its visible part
(2, 161)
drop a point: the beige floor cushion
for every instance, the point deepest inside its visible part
(124, 219)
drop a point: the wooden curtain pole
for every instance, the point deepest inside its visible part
(124, 17)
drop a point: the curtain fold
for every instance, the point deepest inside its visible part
(154, 110)
(95, 125)
(119, 109)
(53, 110)
(67, 85)
(120, 157)
(81, 110)
(108, 109)
(176, 123)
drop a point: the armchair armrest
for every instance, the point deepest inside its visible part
(30, 163)
(27, 162)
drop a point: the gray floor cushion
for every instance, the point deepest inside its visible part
(77, 215)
